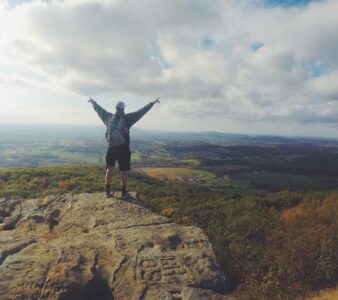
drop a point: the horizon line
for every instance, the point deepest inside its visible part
(177, 131)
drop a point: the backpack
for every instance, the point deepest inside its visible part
(117, 129)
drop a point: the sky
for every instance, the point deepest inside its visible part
(240, 66)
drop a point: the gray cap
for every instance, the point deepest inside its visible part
(120, 105)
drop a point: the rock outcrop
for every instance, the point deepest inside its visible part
(87, 247)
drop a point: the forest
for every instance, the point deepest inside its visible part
(270, 245)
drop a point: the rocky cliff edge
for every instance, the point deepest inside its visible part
(87, 247)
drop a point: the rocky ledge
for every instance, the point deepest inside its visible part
(88, 247)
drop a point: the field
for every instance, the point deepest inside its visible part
(232, 162)
(183, 175)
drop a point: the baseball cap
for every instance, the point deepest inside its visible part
(120, 105)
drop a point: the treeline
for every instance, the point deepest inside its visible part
(270, 245)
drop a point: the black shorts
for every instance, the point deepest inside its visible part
(121, 154)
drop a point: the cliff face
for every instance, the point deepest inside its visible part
(88, 247)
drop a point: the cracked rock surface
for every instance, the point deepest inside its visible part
(88, 247)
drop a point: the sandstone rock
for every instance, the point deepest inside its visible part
(88, 247)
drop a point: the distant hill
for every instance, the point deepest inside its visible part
(31, 131)
(36, 145)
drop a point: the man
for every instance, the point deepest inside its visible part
(118, 146)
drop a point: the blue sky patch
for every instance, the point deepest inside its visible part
(315, 68)
(13, 3)
(207, 42)
(288, 3)
(256, 46)
(155, 54)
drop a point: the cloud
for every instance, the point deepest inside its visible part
(325, 86)
(240, 60)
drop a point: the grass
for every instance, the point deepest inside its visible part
(179, 174)
(191, 162)
(136, 157)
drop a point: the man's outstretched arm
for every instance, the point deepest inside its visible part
(133, 117)
(103, 114)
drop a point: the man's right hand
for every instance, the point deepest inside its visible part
(156, 101)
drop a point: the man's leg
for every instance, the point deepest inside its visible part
(110, 162)
(124, 165)
(109, 175)
(124, 181)
(108, 179)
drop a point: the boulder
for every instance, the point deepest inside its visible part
(85, 246)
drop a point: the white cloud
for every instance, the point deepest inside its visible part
(325, 86)
(200, 56)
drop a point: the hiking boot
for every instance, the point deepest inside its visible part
(125, 195)
(109, 195)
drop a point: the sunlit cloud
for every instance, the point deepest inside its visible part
(237, 64)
